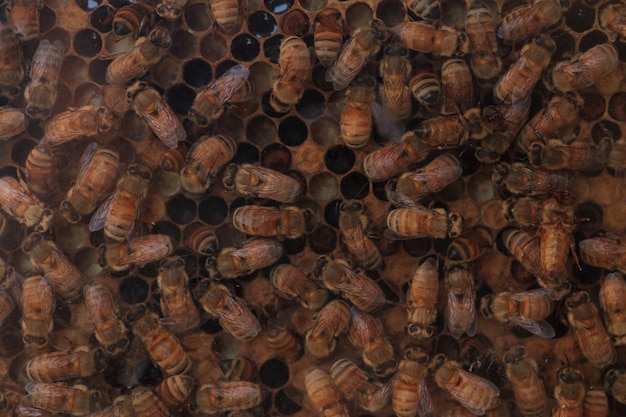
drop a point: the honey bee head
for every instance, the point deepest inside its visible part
(486, 306)
(197, 118)
(45, 219)
(37, 113)
(569, 375)
(545, 42)
(36, 342)
(135, 89)
(576, 299)
(417, 354)
(500, 173)
(515, 354)
(30, 241)
(456, 224)
(105, 119)
(168, 12)
(229, 177)
(70, 215)
(160, 37)
(172, 262)
(320, 265)
(420, 331)
(11, 91)
(611, 376)
(140, 171)
(309, 220)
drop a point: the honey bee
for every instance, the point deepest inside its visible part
(360, 290)
(461, 310)
(104, 312)
(204, 161)
(238, 369)
(585, 69)
(353, 383)
(604, 253)
(613, 18)
(259, 182)
(59, 366)
(18, 203)
(97, 172)
(38, 304)
(569, 393)
(228, 396)
(130, 18)
(140, 250)
(528, 388)
(76, 400)
(592, 337)
(596, 403)
(395, 69)
(147, 404)
(201, 239)
(24, 410)
(289, 222)
(40, 169)
(426, 88)
(179, 310)
(432, 178)
(356, 118)
(521, 179)
(353, 223)
(417, 221)
(163, 347)
(519, 81)
(254, 254)
(527, 21)
(395, 158)
(363, 44)
(226, 14)
(447, 131)
(526, 309)
(426, 9)
(424, 37)
(210, 101)
(291, 282)
(555, 236)
(12, 121)
(480, 26)
(613, 302)
(577, 156)
(471, 391)
(284, 343)
(234, 315)
(75, 123)
(328, 36)
(367, 334)
(457, 92)
(12, 67)
(324, 394)
(118, 214)
(410, 394)
(66, 278)
(616, 160)
(616, 383)
(156, 113)
(524, 211)
(422, 299)
(41, 92)
(174, 389)
(331, 321)
(24, 16)
(295, 71)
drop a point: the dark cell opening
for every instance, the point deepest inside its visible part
(311, 105)
(213, 46)
(62, 316)
(355, 185)
(88, 5)
(47, 19)
(102, 19)
(441, 246)
(319, 78)
(13, 234)
(391, 12)
(386, 246)
(295, 23)
(213, 210)
(604, 128)
(617, 106)
(294, 246)
(20, 151)
(390, 294)
(87, 43)
(211, 326)
(592, 39)
(223, 67)
(180, 209)
(181, 97)
(276, 157)
(580, 18)
(292, 131)
(565, 45)
(245, 47)
(590, 211)
(11, 343)
(339, 159)
(197, 72)
(184, 44)
(323, 240)
(168, 228)
(271, 48)
(134, 290)
(417, 247)
(378, 189)
(267, 108)
(284, 404)
(246, 154)
(262, 24)
(197, 17)
(98, 70)
(593, 108)
(278, 6)
(274, 373)
(147, 373)
(447, 345)
(239, 202)
(8, 170)
(331, 213)
(150, 270)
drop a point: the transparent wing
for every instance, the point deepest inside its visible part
(538, 327)
(98, 219)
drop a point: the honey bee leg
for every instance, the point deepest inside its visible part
(572, 248)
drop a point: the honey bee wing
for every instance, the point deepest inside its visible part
(165, 125)
(274, 188)
(42, 55)
(538, 327)
(522, 20)
(461, 310)
(229, 83)
(386, 125)
(240, 320)
(145, 253)
(425, 407)
(98, 219)
(535, 295)
(465, 396)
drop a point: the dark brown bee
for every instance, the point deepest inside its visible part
(395, 158)
(146, 404)
(356, 118)
(353, 223)
(528, 389)
(432, 178)
(424, 37)
(207, 156)
(527, 21)
(577, 156)
(366, 333)
(457, 92)
(59, 366)
(418, 221)
(291, 282)
(524, 211)
(140, 251)
(555, 236)
(284, 343)
(480, 26)
(18, 203)
(596, 403)
(521, 179)
(37, 303)
(604, 253)
(289, 222)
(24, 16)
(613, 302)
(227, 14)
(613, 18)
(259, 182)
(252, 255)
(410, 394)
(354, 384)
(75, 123)
(130, 18)
(328, 36)
(295, 71)
(426, 9)
(448, 131)
(585, 69)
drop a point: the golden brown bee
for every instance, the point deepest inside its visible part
(353, 223)
(426, 9)
(424, 37)
(418, 221)
(38, 304)
(527, 21)
(522, 179)
(395, 69)
(12, 121)
(284, 343)
(201, 239)
(576, 156)
(446, 131)
(140, 250)
(422, 299)
(555, 236)
(613, 302)
(76, 123)
(410, 394)
(524, 211)
(40, 169)
(118, 214)
(480, 26)
(24, 16)
(526, 309)
(76, 400)
(461, 309)
(12, 66)
(616, 384)
(174, 389)
(356, 118)
(65, 277)
(147, 404)
(295, 72)
(360, 290)
(613, 18)
(471, 391)
(331, 321)
(426, 88)
(97, 172)
(179, 311)
(59, 366)
(569, 393)
(173, 160)
(163, 347)
(204, 161)
(432, 178)
(363, 44)
(171, 9)
(592, 337)
(585, 69)
(328, 36)
(519, 81)
(596, 403)
(233, 313)
(228, 396)
(324, 394)
(130, 18)
(604, 253)
(17, 202)
(291, 282)
(209, 103)
(252, 255)
(395, 158)
(289, 222)
(41, 92)
(616, 160)
(457, 92)
(367, 334)
(226, 14)
(156, 113)
(238, 369)
(259, 182)
(353, 382)
(104, 312)
(528, 389)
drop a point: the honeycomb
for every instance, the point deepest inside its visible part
(304, 142)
